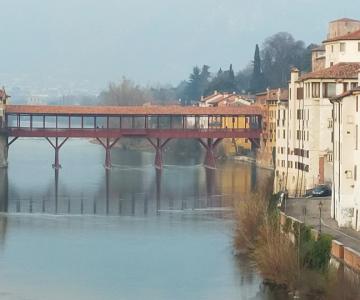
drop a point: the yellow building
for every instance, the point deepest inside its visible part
(269, 100)
(231, 146)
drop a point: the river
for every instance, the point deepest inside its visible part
(128, 233)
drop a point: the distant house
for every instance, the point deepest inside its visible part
(272, 101)
(233, 146)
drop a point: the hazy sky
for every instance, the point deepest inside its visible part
(150, 42)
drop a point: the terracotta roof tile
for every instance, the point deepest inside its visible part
(134, 110)
(273, 94)
(345, 20)
(350, 36)
(338, 71)
(345, 94)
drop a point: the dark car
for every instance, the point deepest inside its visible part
(321, 191)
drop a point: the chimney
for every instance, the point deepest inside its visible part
(295, 73)
(278, 94)
(268, 93)
(359, 77)
(215, 92)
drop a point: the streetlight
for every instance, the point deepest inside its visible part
(320, 207)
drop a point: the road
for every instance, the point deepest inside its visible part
(307, 210)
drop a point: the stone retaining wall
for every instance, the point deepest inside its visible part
(346, 255)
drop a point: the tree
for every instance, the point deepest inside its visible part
(125, 93)
(198, 82)
(257, 83)
(204, 76)
(281, 52)
(306, 58)
(243, 78)
(224, 81)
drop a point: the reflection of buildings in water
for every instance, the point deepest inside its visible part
(139, 191)
(210, 188)
(234, 181)
(4, 200)
(3, 229)
(56, 189)
(253, 172)
(4, 190)
(158, 189)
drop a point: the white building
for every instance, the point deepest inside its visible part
(345, 206)
(304, 146)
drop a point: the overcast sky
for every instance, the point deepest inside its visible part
(155, 41)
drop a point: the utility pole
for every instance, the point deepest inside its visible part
(320, 208)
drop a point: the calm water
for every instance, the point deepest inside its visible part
(130, 233)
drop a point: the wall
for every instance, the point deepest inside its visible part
(346, 255)
(342, 27)
(334, 56)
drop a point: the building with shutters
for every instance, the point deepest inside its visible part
(305, 146)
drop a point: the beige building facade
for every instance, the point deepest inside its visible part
(345, 205)
(270, 101)
(305, 143)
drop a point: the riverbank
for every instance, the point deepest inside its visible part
(306, 211)
(293, 255)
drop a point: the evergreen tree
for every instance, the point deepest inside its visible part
(224, 81)
(193, 89)
(204, 77)
(257, 83)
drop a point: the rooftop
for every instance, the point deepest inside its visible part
(345, 20)
(338, 71)
(347, 37)
(345, 94)
(273, 94)
(155, 110)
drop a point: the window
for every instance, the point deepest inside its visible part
(329, 157)
(345, 87)
(359, 47)
(342, 47)
(357, 103)
(329, 89)
(315, 89)
(356, 137)
(330, 123)
(354, 85)
(298, 114)
(332, 48)
(300, 93)
(283, 133)
(355, 172)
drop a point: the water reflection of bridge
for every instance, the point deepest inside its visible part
(111, 202)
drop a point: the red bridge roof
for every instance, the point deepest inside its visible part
(133, 110)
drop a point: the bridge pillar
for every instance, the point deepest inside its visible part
(3, 150)
(57, 146)
(159, 148)
(210, 146)
(108, 146)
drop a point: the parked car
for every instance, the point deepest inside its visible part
(321, 191)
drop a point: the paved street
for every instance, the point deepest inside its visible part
(307, 210)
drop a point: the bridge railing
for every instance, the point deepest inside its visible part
(185, 122)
